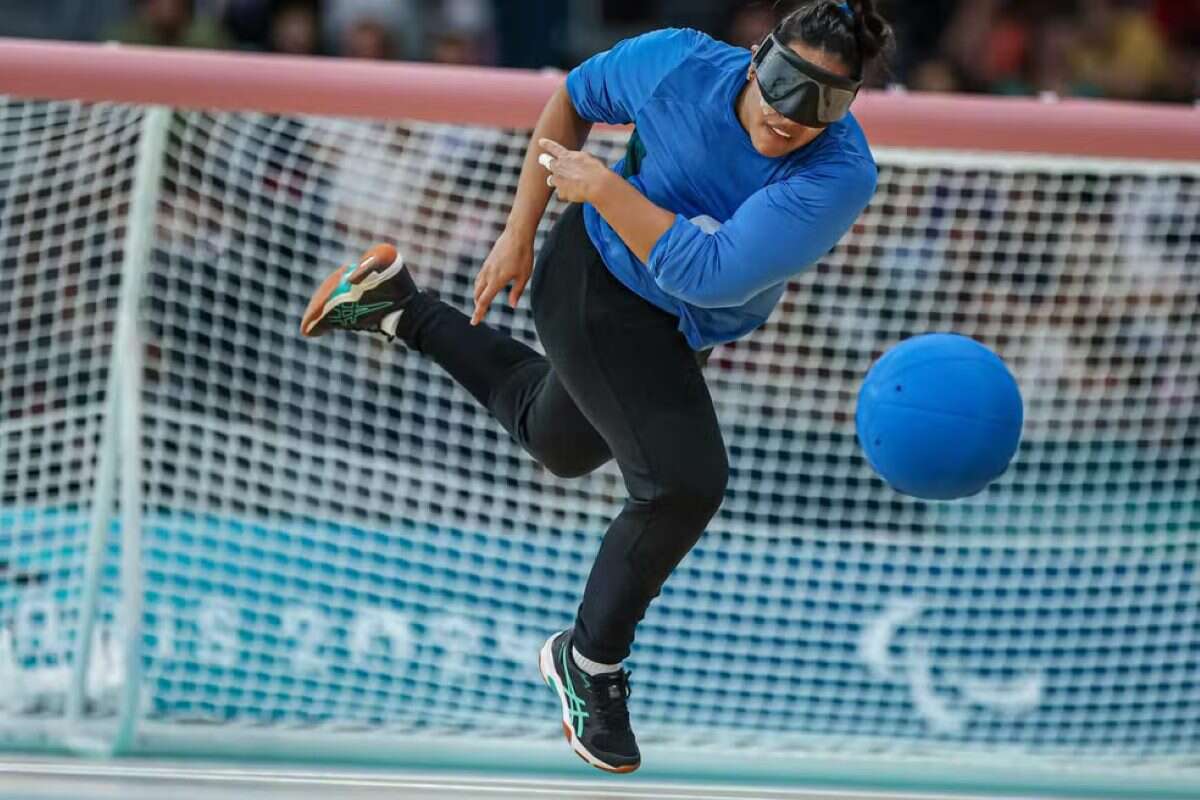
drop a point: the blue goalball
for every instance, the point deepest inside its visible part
(939, 416)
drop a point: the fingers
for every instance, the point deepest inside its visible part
(553, 148)
(518, 289)
(486, 291)
(487, 284)
(481, 281)
(548, 161)
(484, 301)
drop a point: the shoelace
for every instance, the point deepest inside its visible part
(611, 709)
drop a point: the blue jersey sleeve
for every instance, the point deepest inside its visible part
(780, 230)
(611, 86)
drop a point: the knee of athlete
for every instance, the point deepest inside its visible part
(569, 465)
(697, 491)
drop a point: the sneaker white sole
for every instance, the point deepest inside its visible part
(550, 676)
(374, 278)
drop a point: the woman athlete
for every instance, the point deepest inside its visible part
(743, 170)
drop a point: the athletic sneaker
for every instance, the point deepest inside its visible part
(595, 717)
(361, 297)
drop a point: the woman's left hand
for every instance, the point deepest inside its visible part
(575, 175)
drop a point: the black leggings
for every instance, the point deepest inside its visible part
(618, 381)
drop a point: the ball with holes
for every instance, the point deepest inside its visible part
(939, 416)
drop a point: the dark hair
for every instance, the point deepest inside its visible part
(853, 31)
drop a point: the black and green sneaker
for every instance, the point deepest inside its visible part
(361, 297)
(595, 717)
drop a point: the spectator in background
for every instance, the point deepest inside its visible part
(470, 33)
(750, 24)
(1119, 50)
(988, 42)
(1110, 48)
(248, 22)
(81, 20)
(295, 28)
(456, 48)
(169, 23)
(368, 38)
(1179, 21)
(704, 15)
(1017, 47)
(936, 74)
(1127, 49)
(402, 19)
(920, 28)
(531, 34)
(1047, 65)
(465, 33)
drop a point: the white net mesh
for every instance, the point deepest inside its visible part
(65, 182)
(336, 536)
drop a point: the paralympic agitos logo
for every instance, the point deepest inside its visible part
(896, 650)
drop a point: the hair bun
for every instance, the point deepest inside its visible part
(874, 34)
(852, 30)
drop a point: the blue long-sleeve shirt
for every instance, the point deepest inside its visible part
(776, 216)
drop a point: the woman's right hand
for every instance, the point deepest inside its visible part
(511, 261)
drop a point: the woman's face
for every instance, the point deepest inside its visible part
(772, 134)
(294, 32)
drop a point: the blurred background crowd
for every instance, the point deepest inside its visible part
(1129, 49)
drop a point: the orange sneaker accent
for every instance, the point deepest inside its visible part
(378, 257)
(317, 304)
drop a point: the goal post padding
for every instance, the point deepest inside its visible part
(334, 552)
(514, 98)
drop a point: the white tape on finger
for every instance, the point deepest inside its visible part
(546, 160)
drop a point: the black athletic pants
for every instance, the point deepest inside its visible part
(618, 381)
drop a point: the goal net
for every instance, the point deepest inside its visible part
(211, 528)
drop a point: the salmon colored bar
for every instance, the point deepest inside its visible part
(204, 79)
(1014, 124)
(514, 98)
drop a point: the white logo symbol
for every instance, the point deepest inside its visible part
(915, 668)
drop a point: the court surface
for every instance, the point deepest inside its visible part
(154, 780)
